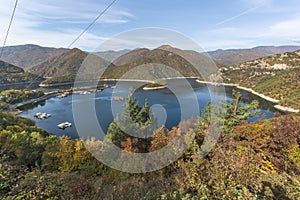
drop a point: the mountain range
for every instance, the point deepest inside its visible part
(237, 56)
(64, 67)
(61, 65)
(28, 56)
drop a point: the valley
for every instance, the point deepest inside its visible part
(259, 130)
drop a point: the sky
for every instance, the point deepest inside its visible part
(213, 24)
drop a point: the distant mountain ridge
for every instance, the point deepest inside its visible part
(271, 50)
(238, 56)
(26, 56)
(29, 55)
(67, 64)
(61, 65)
(111, 55)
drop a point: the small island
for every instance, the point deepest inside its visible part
(154, 86)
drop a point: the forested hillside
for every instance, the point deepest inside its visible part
(275, 76)
(64, 68)
(177, 62)
(259, 160)
(10, 74)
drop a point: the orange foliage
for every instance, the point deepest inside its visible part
(128, 147)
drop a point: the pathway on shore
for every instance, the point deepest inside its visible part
(270, 99)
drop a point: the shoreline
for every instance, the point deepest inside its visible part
(286, 109)
(154, 88)
(90, 81)
(129, 80)
(13, 109)
(112, 79)
(267, 98)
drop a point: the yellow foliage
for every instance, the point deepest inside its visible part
(267, 166)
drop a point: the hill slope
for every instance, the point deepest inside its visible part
(238, 56)
(64, 64)
(276, 76)
(131, 56)
(64, 68)
(12, 74)
(155, 59)
(26, 56)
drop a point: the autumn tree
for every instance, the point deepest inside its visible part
(26, 146)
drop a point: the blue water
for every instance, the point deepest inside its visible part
(167, 105)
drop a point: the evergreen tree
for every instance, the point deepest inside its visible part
(229, 114)
(135, 122)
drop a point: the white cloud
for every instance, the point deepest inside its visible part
(149, 37)
(57, 23)
(288, 28)
(280, 33)
(80, 10)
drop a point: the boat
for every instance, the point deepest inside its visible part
(46, 115)
(113, 87)
(37, 114)
(42, 115)
(64, 125)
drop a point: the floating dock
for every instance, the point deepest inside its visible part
(42, 115)
(64, 125)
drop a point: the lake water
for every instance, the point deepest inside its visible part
(61, 108)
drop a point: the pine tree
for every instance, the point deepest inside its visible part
(135, 122)
(229, 114)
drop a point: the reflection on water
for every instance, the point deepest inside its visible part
(61, 108)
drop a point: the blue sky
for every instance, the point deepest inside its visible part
(212, 24)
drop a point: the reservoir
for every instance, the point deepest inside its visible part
(61, 108)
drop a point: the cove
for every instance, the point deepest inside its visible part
(61, 108)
